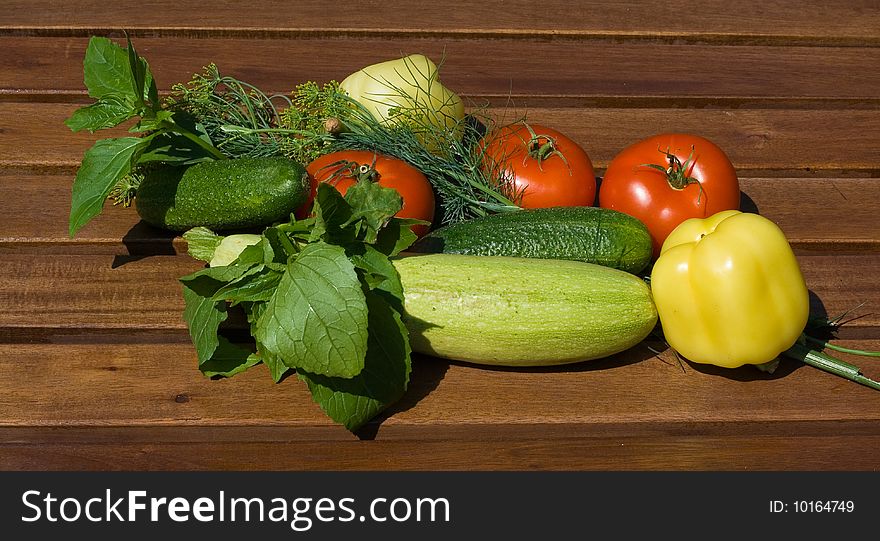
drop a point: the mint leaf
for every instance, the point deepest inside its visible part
(103, 165)
(228, 360)
(383, 380)
(108, 112)
(201, 243)
(373, 205)
(317, 318)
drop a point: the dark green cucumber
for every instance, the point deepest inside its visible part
(222, 194)
(595, 235)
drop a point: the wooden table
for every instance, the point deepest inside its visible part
(96, 367)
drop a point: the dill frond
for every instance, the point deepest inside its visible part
(306, 136)
(125, 189)
(235, 114)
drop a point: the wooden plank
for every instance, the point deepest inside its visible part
(840, 452)
(94, 383)
(843, 210)
(517, 68)
(759, 142)
(117, 405)
(118, 294)
(555, 18)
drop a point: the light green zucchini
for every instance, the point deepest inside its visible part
(512, 311)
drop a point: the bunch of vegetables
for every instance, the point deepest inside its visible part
(356, 222)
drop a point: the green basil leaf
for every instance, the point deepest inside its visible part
(191, 124)
(138, 68)
(257, 285)
(201, 243)
(397, 236)
(109, 111)
(152, 91)
(279, 247)
(317, 318)
(277, 368)
(228, 360)
(383, 380)
(103, 165)
(169, 147)
(332, 212)
(153, 122)
(202, 313)
(379, 272)
(373, 205)
(106, 70)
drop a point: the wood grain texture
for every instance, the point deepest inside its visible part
(517, 68)
(97, 370)
(699, 452)
(788, 19)
(844, 210)
(119, 406)
(105, 383)
(120, 294)
(759, 142)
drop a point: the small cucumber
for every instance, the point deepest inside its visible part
(590, 234)
(222, 194)
(511, 311)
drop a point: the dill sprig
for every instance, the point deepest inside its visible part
(241, 121)
(306, 135)
(222, 103)
(125, 189)
(465, 179)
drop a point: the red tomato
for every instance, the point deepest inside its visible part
(668, 178)
(341, 169)
(547, 168)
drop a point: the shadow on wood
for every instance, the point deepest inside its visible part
(144, 240)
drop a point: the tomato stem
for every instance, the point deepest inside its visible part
(678, 173)
(351, 169)
(542, 147)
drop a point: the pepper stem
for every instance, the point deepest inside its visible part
(829, 364)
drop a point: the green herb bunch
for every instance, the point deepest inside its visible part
(321, 297)
(238, 117)
(123, 87)
(465, 180)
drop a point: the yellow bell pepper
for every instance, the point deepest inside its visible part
(408, 90)
(729, 290)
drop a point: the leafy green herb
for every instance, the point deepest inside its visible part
(467, 183)
(102, 167)
(321, 297)
(311, 122)
(236, 115)
(201, 243)
(121, 83)
(317, 318)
